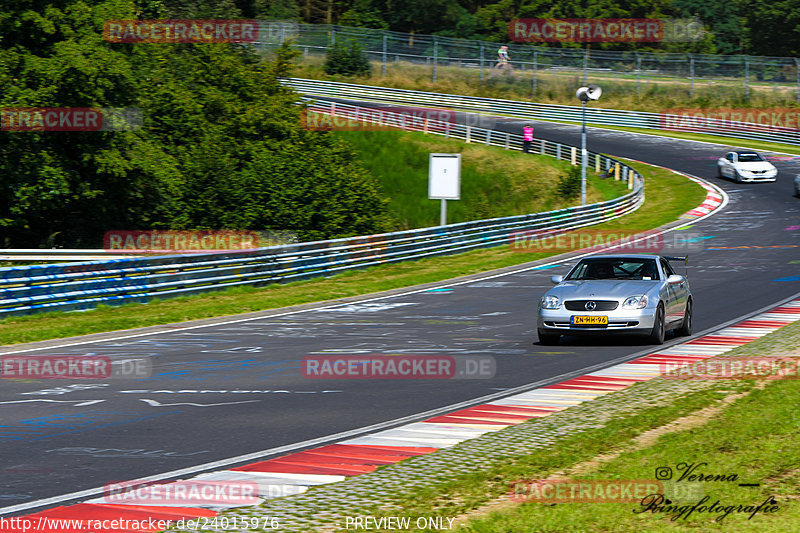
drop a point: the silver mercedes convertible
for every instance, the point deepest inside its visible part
(603, 294)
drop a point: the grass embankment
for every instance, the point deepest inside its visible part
(559, 88)
(747, 429)
(667, 197)
(494, 182)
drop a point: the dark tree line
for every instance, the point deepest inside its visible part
(221, 145)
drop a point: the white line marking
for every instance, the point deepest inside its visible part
(156, 403)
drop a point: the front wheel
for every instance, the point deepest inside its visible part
(658, 332)
(548, 339)
(686, 327)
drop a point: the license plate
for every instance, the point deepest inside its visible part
(590, 320)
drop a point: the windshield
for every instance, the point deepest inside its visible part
(749, 158)
(622, 269)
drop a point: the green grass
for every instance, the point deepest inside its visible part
(494, 182)
(667, 197)
(754, 434)
(757, 438)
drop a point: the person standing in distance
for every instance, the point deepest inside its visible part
(502, 58)
(527, 138)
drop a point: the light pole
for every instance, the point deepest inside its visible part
(584, 94)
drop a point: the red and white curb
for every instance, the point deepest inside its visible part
(296, 472)
(714, 199)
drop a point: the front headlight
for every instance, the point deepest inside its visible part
(550, 302)
(635, 302)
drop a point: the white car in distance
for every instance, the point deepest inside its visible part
(743, 166)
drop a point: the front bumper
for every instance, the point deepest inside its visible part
(767, 176)
(632, 321)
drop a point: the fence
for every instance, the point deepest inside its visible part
(683, 72)
(545, 112)
(25, 290)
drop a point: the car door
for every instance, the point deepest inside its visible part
(677, 295)
(727, 164)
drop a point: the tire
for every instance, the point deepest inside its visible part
(659, 330)
(737, 177)
(686, 326)
(719, 172)
(548, 339)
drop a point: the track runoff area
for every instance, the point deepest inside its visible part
(232, 397)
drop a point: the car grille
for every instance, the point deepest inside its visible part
(580, 305)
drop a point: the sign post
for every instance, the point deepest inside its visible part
(444, 180)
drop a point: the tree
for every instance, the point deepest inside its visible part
(771, 28)
(222, 145)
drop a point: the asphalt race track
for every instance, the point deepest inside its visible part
(231, 389)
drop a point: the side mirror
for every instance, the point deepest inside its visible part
(557, 279)
(675, 278)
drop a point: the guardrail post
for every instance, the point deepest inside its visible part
(425, 126)
(469, 130)
(482, 47)
(597, 163)
(488, 137)
(435, 56)
(630, 178)
(508, 140)
(585, 64)
(638, 72)
(542, 147)
(616, 171)
(558, 151)
(746, 78)
(383, 59)
(574, 156)
(797, 66)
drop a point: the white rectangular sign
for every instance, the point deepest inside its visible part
(444, 177)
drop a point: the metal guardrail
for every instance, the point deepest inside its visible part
(61, 254)
(63, 287)
(536, 111)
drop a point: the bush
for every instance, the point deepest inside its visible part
(347, 60)
(569, 185)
